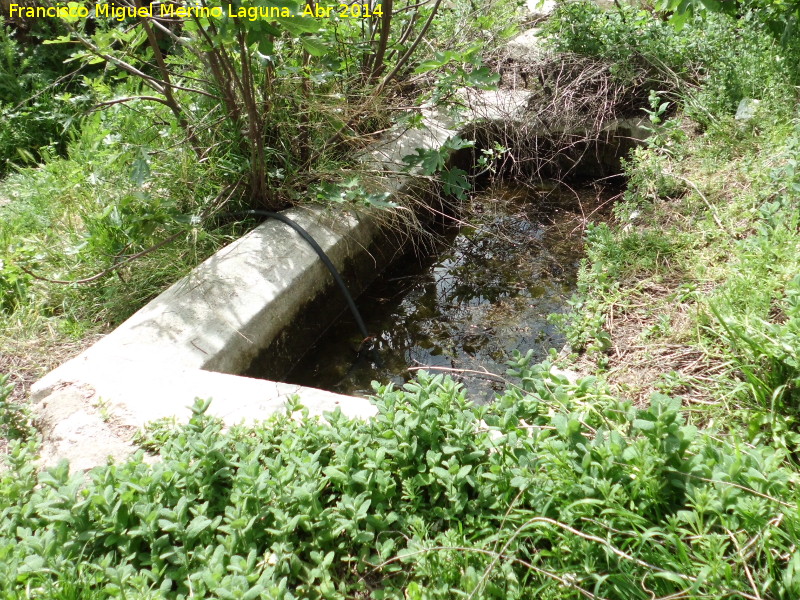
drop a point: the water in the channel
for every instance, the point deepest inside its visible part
(485, 289)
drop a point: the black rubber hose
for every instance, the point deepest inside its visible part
(323, 257)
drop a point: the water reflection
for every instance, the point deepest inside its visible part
(485, 291)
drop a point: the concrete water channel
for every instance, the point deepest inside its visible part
(197, 337)
(462, 299)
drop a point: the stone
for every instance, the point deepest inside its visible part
(528, 46)
(747, 109)
(540, 9)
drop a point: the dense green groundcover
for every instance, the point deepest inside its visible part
(557, 490)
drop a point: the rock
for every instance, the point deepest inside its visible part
(747, 109)
(526, 47)
(540, 9)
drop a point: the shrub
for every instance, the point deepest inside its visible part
(556, 490)
(34, 117)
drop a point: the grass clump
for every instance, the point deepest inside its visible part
(557, 490)
(707, 240)
(70, 226)
(691, 288)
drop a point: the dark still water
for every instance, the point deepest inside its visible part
(484, 290)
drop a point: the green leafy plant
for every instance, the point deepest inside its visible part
(487, 161)
(34, 115)
(15, 422)
(556, 482)
(781, 17)
(351, 191)
(14, 282)
(266, 87)
(435, 161)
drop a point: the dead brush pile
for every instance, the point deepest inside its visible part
(575, 103)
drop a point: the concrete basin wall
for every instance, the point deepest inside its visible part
(217, 318)
(191, 340)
